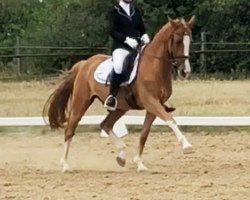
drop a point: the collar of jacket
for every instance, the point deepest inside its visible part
(123, 13)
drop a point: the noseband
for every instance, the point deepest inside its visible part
(174, 59)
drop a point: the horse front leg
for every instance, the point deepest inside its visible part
(155, 107)
(107, 126)
(143, 138)
(186, 146)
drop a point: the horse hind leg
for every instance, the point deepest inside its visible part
(64, 163)
(143, 138)
(79, 105)
(107, 126)
(73, 121)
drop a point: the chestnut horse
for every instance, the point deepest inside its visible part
(150, 90)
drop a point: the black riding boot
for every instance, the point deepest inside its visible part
(111, 101)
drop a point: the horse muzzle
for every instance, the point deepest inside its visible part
(184, 70)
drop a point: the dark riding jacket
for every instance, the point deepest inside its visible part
(121, 26)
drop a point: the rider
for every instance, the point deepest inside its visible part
(126, 27)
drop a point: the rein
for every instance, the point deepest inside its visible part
(174, 60)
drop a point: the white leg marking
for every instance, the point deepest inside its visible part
(123, 154)
(186, 146)
(121, 158)
(64, 163)
(140, 166)
(118, 141)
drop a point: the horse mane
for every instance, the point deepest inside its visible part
(161, 33)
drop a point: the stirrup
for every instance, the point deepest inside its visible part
(110, 107)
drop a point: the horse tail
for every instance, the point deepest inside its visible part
(57, 103)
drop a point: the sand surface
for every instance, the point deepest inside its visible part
(219, 169)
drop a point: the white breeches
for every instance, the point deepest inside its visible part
(118, 58)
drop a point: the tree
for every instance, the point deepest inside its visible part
(84, 23)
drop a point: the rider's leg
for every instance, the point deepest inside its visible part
(111, 101)
(118, 58)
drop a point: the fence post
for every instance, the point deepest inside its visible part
(17, 52)
(203, 66)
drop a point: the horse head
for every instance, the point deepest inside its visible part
(178, 44)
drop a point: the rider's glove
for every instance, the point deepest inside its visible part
(131, 42)
(145, 38)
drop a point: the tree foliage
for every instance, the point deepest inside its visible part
(84, 23)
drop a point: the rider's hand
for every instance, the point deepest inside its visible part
(131, 42)
(145, 38)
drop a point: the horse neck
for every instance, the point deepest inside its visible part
(159, 44)
(158, 49)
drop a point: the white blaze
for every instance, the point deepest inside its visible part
(186, 42)
(187, 68)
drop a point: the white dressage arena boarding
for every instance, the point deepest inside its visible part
(120, 127)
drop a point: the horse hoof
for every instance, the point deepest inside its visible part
(65, 169)
(188, 150)
(121, 161)
(142, 169)
(65, 166)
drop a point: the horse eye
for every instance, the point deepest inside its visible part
(179, 38)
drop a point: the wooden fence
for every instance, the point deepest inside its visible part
(201, 51)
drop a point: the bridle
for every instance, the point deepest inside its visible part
(169, 55)
(174, 59)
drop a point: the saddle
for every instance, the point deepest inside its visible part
(104, 70)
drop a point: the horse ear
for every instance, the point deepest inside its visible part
(191, 22)
(172, 22)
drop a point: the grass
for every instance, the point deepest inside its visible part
(191, 98)
(212, 98)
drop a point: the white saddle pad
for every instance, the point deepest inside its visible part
(103, 70)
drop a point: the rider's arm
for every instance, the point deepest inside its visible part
(115, 34)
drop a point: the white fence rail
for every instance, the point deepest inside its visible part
(120, 126)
